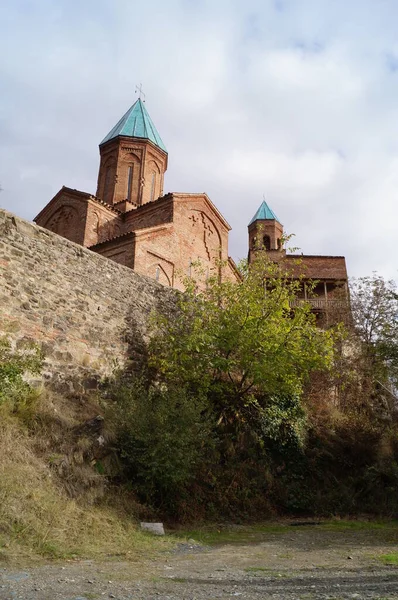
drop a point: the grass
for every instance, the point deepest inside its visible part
(389, 559)
(357, 525)
(213, 535)
(38, 516)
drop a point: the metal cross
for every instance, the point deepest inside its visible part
(138, 88)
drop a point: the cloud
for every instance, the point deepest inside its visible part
(292, 98)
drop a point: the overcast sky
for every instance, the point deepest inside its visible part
(294, 99)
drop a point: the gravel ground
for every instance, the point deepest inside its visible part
(301, 563)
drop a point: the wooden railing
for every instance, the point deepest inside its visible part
(320, 303)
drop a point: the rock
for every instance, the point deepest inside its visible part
(155, 528)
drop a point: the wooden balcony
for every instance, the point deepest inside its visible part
(321, 304)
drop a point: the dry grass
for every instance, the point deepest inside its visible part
(38, 514)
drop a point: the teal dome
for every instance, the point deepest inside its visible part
(263, 213)
(136, 123)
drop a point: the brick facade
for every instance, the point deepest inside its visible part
(323, 279)
(131, 222)
(130, 170)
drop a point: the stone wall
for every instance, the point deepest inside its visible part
(87, 312)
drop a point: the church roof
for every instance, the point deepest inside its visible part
(136, 123)
(264, 212)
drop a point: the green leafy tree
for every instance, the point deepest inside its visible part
(374, 305)
(242, 346)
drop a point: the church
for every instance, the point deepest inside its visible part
(131, 221)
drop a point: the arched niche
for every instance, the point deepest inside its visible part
(108, 180)
(153, 178)
(157, 272)
(64, 221)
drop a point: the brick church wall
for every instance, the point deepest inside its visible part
(88, 313)
(66, 215)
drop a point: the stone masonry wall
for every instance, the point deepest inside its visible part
(88, 313)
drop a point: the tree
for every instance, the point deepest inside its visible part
(374, 304)
(243, 347)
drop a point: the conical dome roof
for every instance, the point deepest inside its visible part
(136, 123)
(264, 212)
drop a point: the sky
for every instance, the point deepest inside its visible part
(294, 100)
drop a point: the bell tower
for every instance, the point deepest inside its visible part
(265, 233)
(133, 161)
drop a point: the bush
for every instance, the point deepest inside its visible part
(161, 434)
(16, 394)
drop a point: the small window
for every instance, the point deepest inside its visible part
(153, 186)
(108, 185)
(130, 183)
(267, 242)
(157, 273)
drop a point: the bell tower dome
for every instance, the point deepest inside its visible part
(133, 161)
(265, 233)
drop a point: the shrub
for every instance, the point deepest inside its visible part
(161, 433)
(16, 394)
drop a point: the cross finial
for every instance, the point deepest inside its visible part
(138, 89)
(264, 197)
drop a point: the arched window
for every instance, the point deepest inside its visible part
(109, 182)
(267, 242)
(153, 184)
(130, 182)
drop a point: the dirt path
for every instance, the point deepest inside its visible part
(297, 563)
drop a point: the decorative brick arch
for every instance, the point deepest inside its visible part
(207, 230)
(65, 221)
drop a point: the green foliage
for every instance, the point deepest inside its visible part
(241, 345)
(15, 391)
(374, 303)
(160, 435)
(251, 407)
(283, 420)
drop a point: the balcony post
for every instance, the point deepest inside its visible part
(326, 302)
